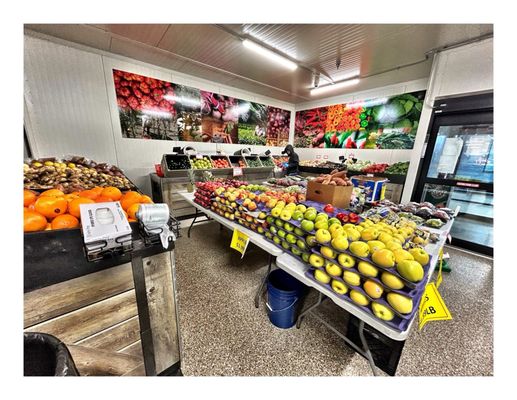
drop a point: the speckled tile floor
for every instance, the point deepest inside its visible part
(225, 335)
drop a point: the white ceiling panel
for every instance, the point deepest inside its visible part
(82, 34)
(145, 33)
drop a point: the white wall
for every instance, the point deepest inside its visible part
(463, 70)
(71, 108)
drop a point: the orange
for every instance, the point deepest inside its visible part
(69, 197)
(97, 189)
(146, 199)
(89, 194)
(131, 211)
(28, 197)
(33, 221)
(65, 221)
(50, 207)
(73, 207)
(112, 192)
(129, 198)
(53, 193)
(103, 199)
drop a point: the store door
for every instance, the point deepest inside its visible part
(458, 168)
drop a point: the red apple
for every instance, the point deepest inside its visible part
(329, 209)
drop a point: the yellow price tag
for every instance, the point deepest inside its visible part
(239, 241)
(432, 306)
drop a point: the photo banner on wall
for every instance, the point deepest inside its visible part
(384, 123)
(150, 108)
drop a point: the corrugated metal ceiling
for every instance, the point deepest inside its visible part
(215, 52)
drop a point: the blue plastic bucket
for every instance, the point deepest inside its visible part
(283, 297)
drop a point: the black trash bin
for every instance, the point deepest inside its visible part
(46, 355)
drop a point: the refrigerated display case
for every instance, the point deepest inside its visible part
(458, 167)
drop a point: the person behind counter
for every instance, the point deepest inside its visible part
(291, 167)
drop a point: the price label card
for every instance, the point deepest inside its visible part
(239, 241)
(369, 175)
(432, 306)
(199, 156)
(318, 157)
(325, 157)
(237, 171)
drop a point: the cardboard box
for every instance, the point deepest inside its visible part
(338, 196)
(374, 186)
(104, 226)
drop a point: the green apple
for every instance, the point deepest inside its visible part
(275, 212)
(359, 298)
(311, 240)
(291, 238)
(373, 289)
(352, 234)
(305, 257)
(286, 215)
(307, 225)
(273, 229)
(367, 269)
(400, 303)
(401, 254)
(382, 312)
(312, 209)
(260, 229)
(340, 243)
(327, 252)
(333, 221)
(297, 216)
(384, 257)
(321, 276)
(322, 215)
(333, 227)
(352, 278)
(333, 269)
(360, 249)
(337, 232)
(288, 227)
(277, 240)
(321, 225)
(281, 233)
(323, 236)
(279, 223)
(299, 232)
(393, 245)
(309, 215)
(285, 245)
(420, 255)
(301, 244)
(392, 281)
(301, 208)
(338, 287)
(269, 219)
(269, 235)
(316, 261)
(375, 245)
(345, 260)
(411, 270)
(295, 251)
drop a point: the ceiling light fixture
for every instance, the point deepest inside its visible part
(335, 86)
(269, 54)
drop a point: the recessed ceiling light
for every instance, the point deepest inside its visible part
(269, 54)
(335, 86)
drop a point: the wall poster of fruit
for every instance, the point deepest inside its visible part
(150, 108)
(384, 123)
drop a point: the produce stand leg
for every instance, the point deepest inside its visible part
(308, 310)
(198, 213)
(143, 316)
(263, 283)
(367, 352)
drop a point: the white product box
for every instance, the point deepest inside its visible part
(104, 226)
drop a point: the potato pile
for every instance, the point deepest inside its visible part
(74, 174)
(336, 178)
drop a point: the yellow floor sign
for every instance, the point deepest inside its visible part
(239, 241)
(432, 306)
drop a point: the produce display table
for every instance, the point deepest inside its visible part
(254, 237)
(298, 269)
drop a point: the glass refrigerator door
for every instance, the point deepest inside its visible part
(459, 171)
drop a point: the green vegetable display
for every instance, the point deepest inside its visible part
(253, 162)
(399, 168)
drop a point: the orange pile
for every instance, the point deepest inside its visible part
(53, 209)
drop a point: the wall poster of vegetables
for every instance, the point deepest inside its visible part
(384, 123)
(150, 108)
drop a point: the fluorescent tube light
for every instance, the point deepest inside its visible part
(269, 54)
(335, 86)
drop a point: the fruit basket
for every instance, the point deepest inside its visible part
(71, 174)
(175, 164)
(199, 161)
(220, 161)
(266, 161)
(238, 161)
(253, 162)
